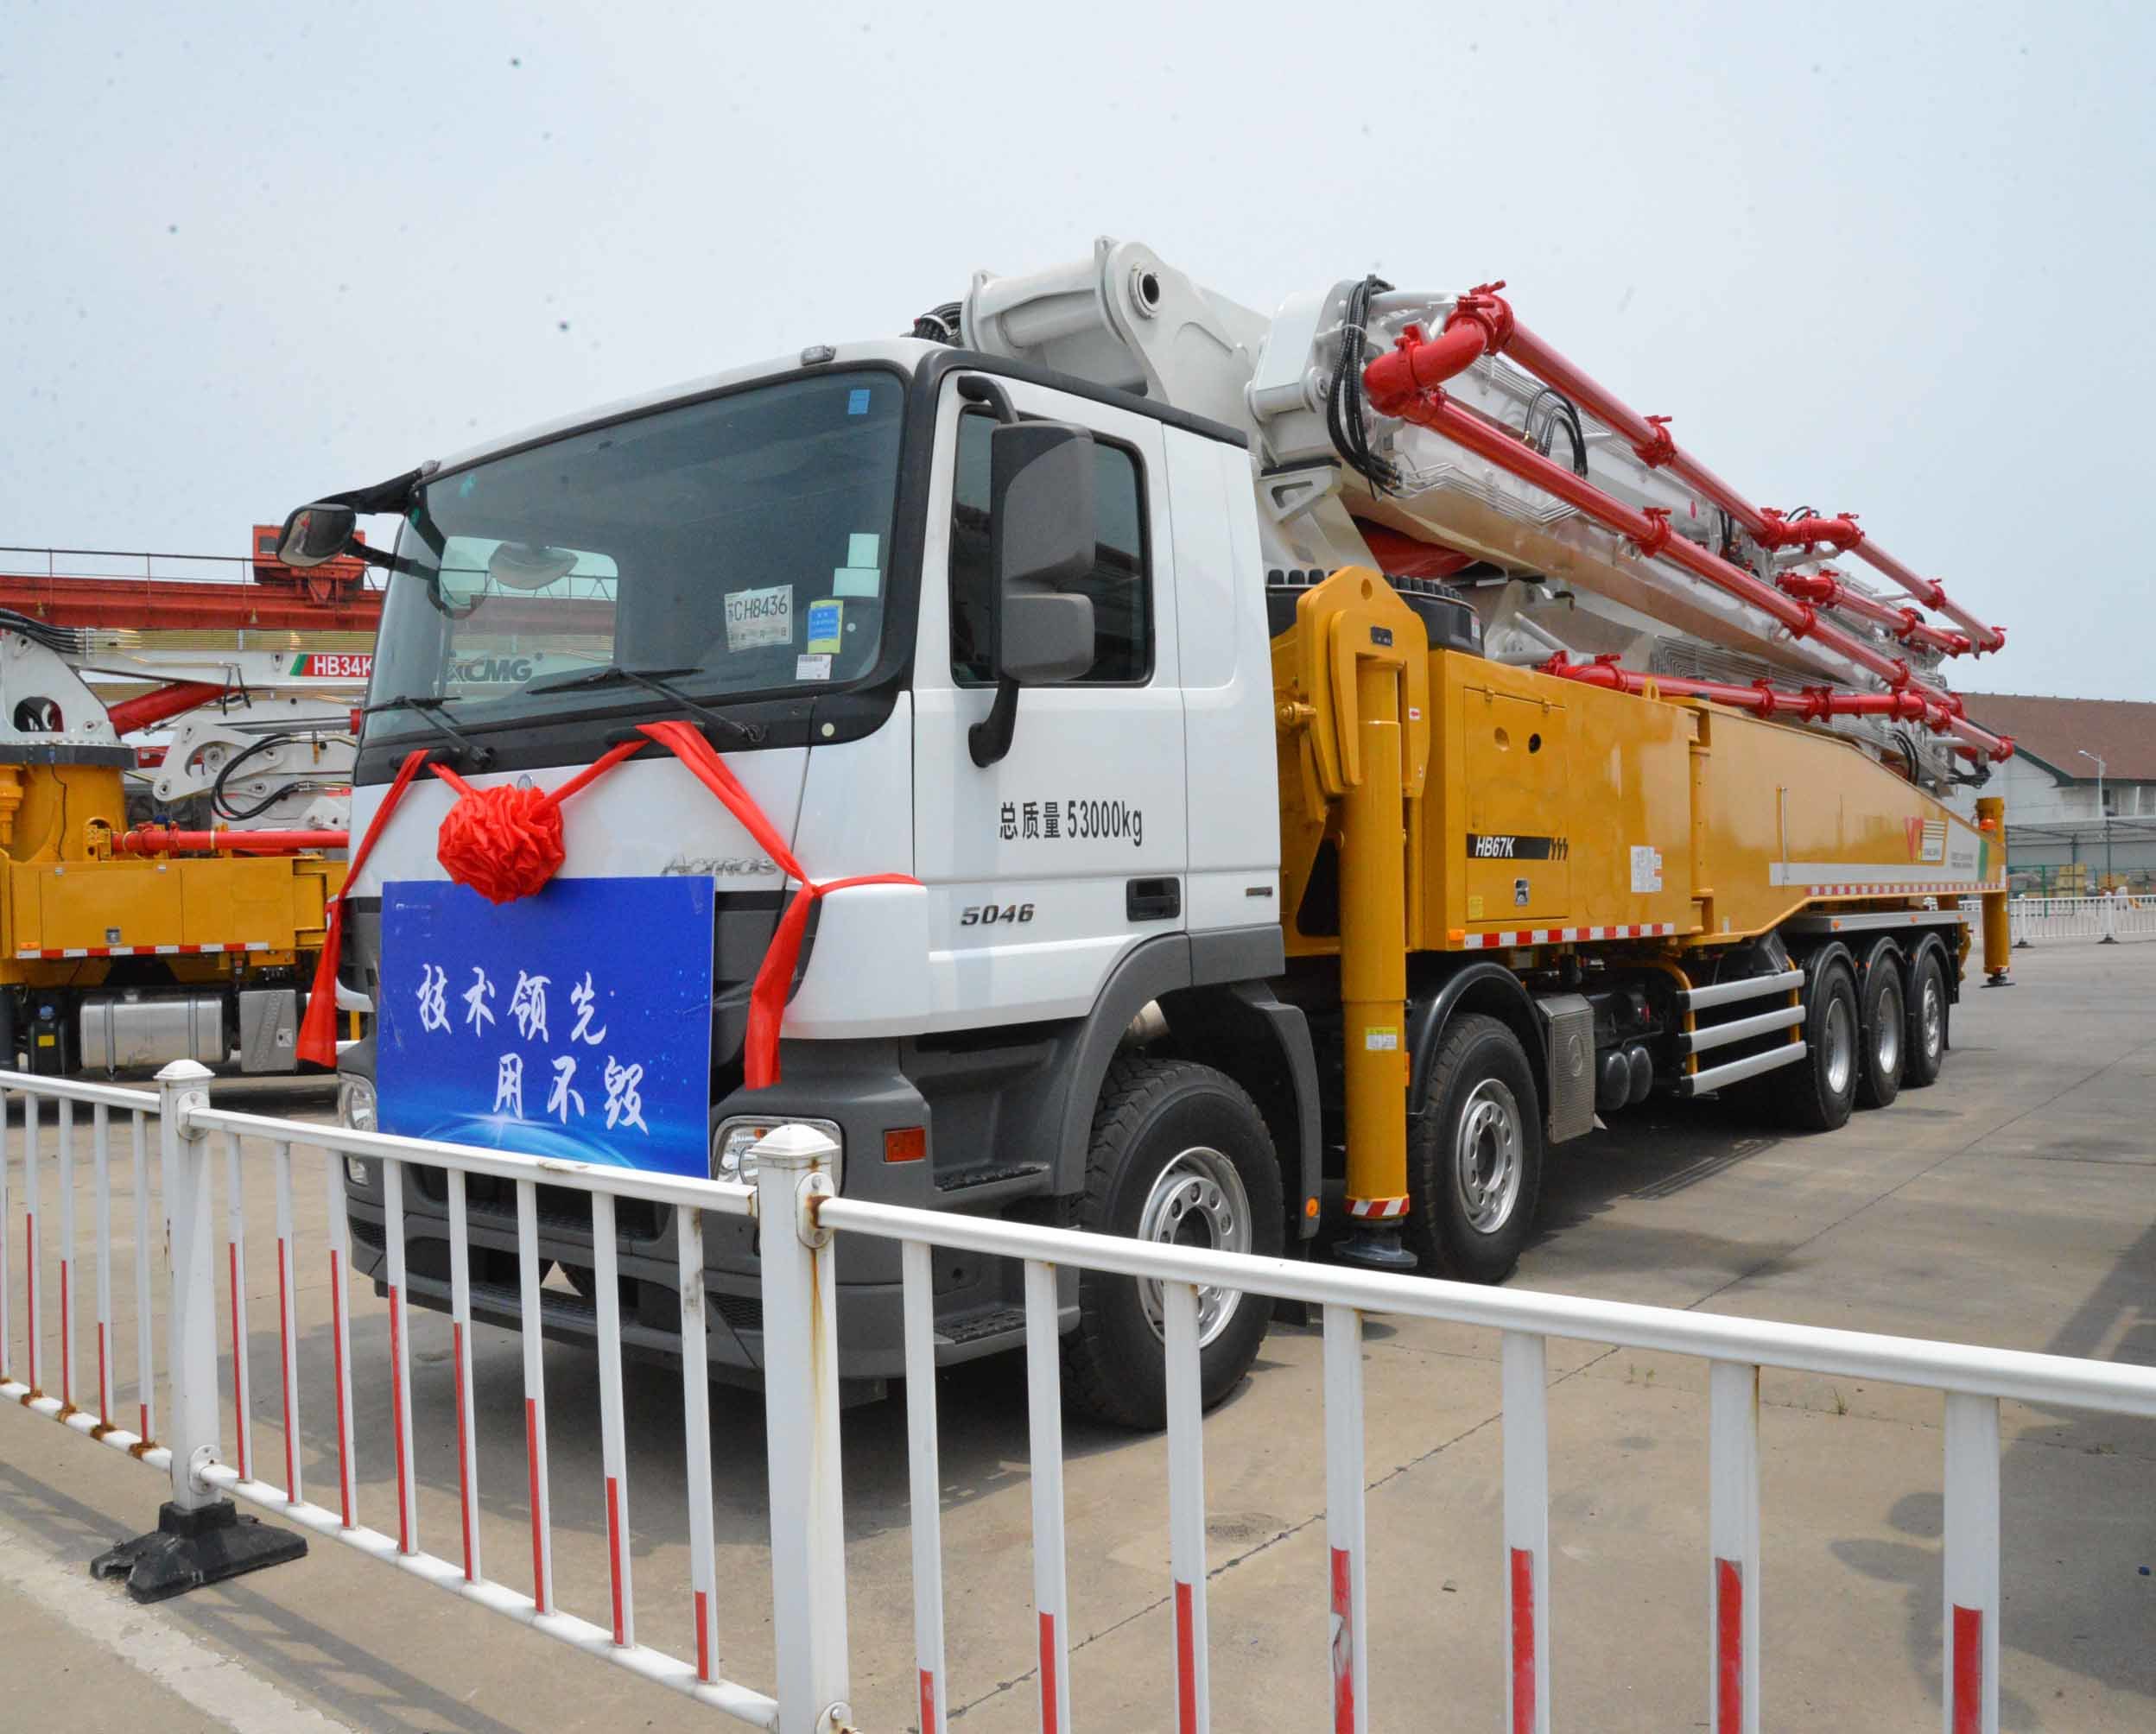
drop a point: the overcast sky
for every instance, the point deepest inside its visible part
(1883, 258)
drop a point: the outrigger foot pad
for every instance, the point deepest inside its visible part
(1372, 1248)
(188, 1549)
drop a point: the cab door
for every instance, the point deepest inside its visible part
(1044, 868)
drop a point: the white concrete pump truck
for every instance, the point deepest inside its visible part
(1255, 775)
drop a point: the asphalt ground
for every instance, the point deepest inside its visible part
(2013, 1204)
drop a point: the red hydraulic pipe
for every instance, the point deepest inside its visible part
(1393, 392)
(1488, 317)
(1827, 589)
(164, 840)
(161, 705)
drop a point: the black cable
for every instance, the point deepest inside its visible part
(1563, 413)
(939, 324)
(1344, 420)
(237, 815)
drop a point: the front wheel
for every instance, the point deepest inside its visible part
(1474, 1155)
(1180, 1155)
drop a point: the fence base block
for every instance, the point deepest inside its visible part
(188, 1549)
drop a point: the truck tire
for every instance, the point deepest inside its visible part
(1180, 1155)
(1474, 1155)
(1816, 1094)
(1926, 1041)
(1885, 1026)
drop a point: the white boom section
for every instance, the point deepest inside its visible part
(1124, 318)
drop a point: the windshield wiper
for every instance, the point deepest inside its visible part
(652, 680)
(428, 711)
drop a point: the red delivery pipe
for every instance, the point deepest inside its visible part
(1826, 589)
(1486, 317)
(1393, 392)
(164, 840)
(1764, 700)
(161, 704)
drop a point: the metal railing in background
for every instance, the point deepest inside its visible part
(2106, 920)
(800, 1215)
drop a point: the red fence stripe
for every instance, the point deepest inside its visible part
(1728, 1647)
(703, 1640)
(538, 1538)
(464, 1474)
(1968, 1670)
(613, 1550)
(1343, 1642)
(1186, 1662)
(396, 1424)
(1523, 1641)
(1047, 1674)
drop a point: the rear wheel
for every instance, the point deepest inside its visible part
(1885, 1028)
(1926, 1021)
(1180, 1155)
(1474, 1155)
(1817, 1092)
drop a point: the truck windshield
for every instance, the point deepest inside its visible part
(738, 545)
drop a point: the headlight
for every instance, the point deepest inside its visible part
(355, 1102)
(733, 1146)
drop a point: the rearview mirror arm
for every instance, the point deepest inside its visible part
(989, 739)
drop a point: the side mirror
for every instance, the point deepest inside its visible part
(316, 533)
(1044, 532)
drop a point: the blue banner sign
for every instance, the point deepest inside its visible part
(574, 1024)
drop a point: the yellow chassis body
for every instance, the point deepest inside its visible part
(1437, 801)
(75, 912)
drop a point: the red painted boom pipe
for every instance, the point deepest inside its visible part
(164, 840)
(161, 704)
(1394, 391)
(1482, 321)
(1827, 589)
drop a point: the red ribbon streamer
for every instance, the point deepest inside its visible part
(318, 1031)
(505, 843)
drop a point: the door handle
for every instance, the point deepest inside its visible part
(1152, 899)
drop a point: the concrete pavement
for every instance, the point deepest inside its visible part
(2014, 1205)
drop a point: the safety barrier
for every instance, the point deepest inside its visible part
(2106, 920)
(800, 1213)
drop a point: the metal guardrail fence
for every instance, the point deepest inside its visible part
(2107, 920)
(800, 1214)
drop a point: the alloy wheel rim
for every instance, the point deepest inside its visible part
(1841, 1051)
(1485, 1160)
(1197, 1199)
(1887, 1043)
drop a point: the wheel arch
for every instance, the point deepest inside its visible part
(1436, 996)
(1212, 991)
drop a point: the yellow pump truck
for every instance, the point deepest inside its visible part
(117, 954)
(1328, 758)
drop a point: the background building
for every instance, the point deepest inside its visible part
(2059, 837)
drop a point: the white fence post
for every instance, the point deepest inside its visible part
(1972, 1565)
(1525, 1385)
(801, 1406)
(2109, 905)
(1344, 1518)
(200, 1537)
(191, 1316)
(1733, 1527)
